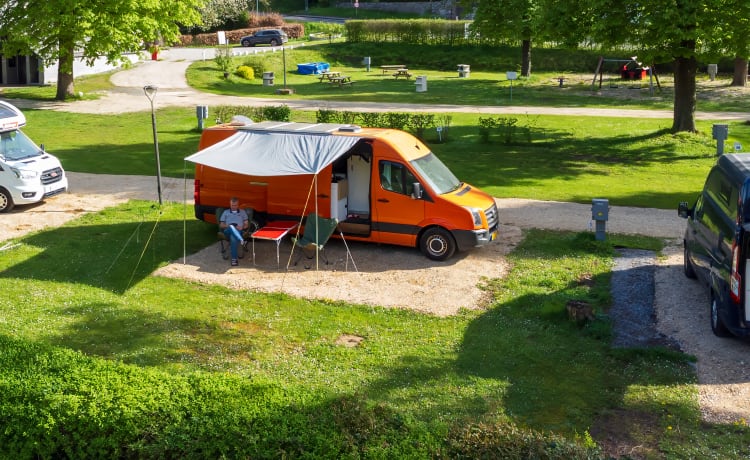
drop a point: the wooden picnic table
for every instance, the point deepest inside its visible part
(391, 68)
(341, 81)
(402, 73)
(325, 77)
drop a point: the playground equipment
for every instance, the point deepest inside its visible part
(628, 69)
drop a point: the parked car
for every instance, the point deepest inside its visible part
(28, 174)
(717, 243)
(273, 37)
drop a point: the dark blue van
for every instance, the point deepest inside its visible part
(717, 242)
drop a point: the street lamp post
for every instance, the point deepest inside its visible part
(150, 91)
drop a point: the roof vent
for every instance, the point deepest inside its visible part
(350, 129)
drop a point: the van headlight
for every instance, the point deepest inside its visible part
(476, 214)
(25, 173)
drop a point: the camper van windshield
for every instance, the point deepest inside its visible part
(440, 179)
(14, 145)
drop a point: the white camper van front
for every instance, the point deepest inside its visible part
(28, 174)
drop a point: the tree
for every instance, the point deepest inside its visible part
(661, 31)
(224, 15)
(511, 20)
(731, 36)
(58, 30)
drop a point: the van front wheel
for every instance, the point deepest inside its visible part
(437, 243)
(6, 201)
(717, 325)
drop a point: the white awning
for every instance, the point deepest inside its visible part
(274, 153)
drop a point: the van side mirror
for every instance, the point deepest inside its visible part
(416, 193)
(684, 210)
(42, 147)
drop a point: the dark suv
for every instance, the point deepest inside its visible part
(717, 243)
(273, 37)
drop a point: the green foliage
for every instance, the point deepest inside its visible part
(505, 126)
(223, 58)
(222, 15)
(224, 113)
(436, 32)
(62, 31)
(257, 63)
(245, 72)
(92, 366)
(506, 440)
(419, 122)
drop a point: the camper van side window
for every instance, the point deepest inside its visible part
(391, 176)
(722, 193)
(395, 177)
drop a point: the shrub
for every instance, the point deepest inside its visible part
(256, 63)
(223, 59)
(245, 72)
(371, 119)
(418, 122)
(326, 116)
(277, 113)
(443, 122)
(224, 113)
(507, 127)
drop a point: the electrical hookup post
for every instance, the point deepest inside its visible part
(356, 7)
(511, 76)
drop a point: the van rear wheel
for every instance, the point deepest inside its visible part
(437, 243)
(6, 201)
(717, 325)
(687, 265)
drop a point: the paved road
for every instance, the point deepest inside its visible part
(168, 74)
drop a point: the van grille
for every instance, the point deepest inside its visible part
(51, 176)
(491, 214)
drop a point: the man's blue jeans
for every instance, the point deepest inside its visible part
(235, 237)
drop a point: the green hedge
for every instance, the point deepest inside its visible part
(414, 32)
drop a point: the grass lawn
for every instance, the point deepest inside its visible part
(487, 84)
(633, 162)
(100, 359)
(203, 369)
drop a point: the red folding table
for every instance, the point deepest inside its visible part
(273, 231)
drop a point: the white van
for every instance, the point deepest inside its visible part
(28, 174)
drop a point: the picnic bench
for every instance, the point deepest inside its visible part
(403, 72)
(325, 77)
(391, 68)
(341, 81)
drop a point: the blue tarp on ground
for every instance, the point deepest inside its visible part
(312, 68)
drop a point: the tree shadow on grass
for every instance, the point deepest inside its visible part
(112, 250)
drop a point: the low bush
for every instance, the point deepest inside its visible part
(245, 72)
(256, 63)
(224, 113)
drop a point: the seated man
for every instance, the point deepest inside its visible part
(233, 222)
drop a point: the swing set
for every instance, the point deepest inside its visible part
(629, 69)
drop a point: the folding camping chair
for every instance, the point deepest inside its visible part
(317, 232)
(224, 242)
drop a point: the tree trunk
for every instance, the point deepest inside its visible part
(684, 94)
(526, 58)
(740, 72)
(65, 84)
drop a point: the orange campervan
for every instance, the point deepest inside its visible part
(382, 185)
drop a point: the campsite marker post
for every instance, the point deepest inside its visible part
(150, 91)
